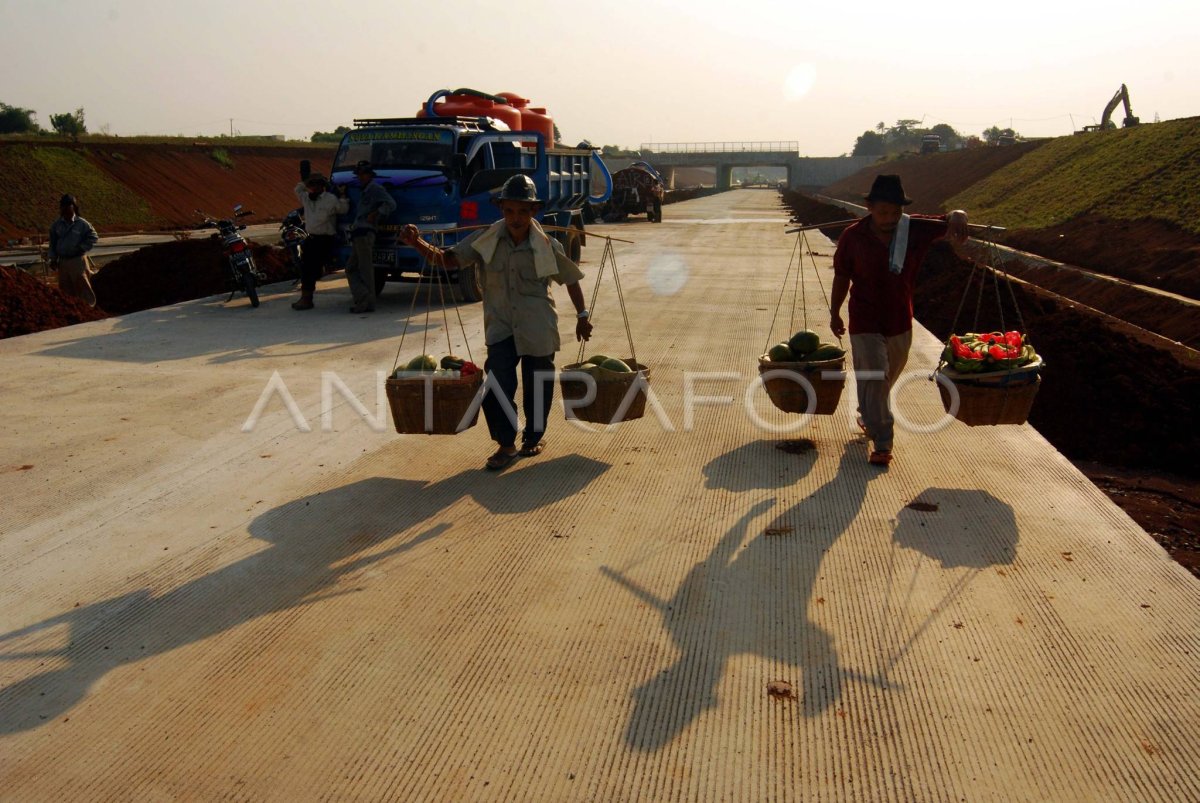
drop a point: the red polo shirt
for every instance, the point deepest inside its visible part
(881, 301)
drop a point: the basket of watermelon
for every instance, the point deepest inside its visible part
(620, 389)
(804, 375)
(989, 378)
(433, 397)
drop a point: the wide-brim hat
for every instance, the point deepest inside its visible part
(68, 200)
(518, 188)
(363, 167)
(315, 180)
(887, 188)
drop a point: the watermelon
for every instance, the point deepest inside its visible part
(452, 362)
(423, 363)
(825, 351)
(781, 352)
(616, 366)
(597, 359)
(803, 342)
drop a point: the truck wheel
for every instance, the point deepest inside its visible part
(250, 285)
(658, 211)
(468, 283)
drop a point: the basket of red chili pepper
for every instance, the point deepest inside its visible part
(990, 378)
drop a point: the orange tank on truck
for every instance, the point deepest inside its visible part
(444, 166)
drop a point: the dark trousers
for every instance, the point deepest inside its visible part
(317, 253)
(537, 393)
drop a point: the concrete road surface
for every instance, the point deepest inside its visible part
(225, 577)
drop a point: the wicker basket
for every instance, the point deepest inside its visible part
(612, 388)
(999, 397)
(791, 395)
(449, 400)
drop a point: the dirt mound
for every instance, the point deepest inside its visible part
(173, 272)
(933, 178)
(28, 305)
(140, 187)
(1147, 251)
(807, 211)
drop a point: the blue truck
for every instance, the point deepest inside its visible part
(443, 172)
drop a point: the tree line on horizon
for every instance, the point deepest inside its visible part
(905, 136)
(15, 120)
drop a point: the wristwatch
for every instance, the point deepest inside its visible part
(582, 315)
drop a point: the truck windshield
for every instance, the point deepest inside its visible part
(396, 149)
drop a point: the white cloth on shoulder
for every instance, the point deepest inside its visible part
(544, 261)
(899, 245)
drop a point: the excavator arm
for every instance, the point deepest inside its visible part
(1122, 96)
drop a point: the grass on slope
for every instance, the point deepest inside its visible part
(45, 173)
(1128, 174)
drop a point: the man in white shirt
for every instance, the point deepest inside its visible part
(321, 210)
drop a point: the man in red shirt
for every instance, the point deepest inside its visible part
(876, 263)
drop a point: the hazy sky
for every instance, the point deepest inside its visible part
(617, 72)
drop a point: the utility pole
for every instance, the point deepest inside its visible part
(231, 127)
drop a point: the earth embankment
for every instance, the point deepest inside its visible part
(1120, 202)
(124, 187)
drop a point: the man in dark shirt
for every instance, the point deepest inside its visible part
(71, 237)
(876, 262)
(374, 205)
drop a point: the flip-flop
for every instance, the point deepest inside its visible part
(878, 458)
(532, 450)
(501, 459)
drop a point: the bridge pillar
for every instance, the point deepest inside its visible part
(669, 176)
(724, 176)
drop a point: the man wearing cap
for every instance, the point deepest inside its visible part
(71, 237)
(374, 204)
(321, 210)
(520, 322)
(876, 263)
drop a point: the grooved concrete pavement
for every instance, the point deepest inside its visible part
(318, 608)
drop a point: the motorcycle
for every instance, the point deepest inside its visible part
(242, 273)
(292, 235)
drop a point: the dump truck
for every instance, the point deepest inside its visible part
(443, 172)
(636, 189)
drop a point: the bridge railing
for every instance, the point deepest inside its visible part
(720, 147)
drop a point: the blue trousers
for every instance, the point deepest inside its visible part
(537, 393)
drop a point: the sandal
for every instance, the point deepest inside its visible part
(501, 459)
(532, 449)
(880, 458)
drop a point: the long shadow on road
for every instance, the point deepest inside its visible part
(235, 333)
(315, 542)
(751, 597)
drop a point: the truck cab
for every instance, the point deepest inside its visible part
(443, 172)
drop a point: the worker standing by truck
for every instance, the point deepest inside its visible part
(321, 210)
(71, 237)
(374, 204)
(520, 321)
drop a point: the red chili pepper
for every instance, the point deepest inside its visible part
(961, 350)
(1014, 339)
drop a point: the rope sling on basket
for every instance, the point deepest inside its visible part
(428, 396)
(802, 374)
(988, 378)
(604, 389)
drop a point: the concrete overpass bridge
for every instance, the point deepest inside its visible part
(803, 171)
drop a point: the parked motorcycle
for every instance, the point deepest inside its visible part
(242, 273)
(292, 235)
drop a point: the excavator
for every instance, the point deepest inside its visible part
(1106, 122)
